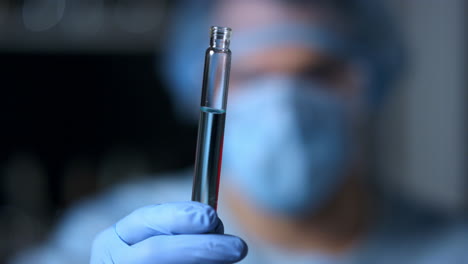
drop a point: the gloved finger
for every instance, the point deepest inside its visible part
(205, 248)
(167, 219)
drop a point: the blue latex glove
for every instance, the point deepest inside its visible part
(168, 233)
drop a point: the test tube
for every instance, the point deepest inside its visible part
(212, 117)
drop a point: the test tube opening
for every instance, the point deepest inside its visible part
(220, 37)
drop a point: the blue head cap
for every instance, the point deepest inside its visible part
(372, 41)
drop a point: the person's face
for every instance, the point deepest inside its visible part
(293, 153)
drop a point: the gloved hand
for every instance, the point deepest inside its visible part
(168, 233)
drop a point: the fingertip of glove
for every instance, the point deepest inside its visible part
(204, 215)
(245, 250)
(230, 247)
(242, 249)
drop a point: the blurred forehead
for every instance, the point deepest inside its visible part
(246, 15)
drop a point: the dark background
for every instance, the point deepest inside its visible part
(63, 106)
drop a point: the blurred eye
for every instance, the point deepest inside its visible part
(246, 75)
(327, 71)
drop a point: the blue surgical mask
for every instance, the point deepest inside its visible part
(286, 143)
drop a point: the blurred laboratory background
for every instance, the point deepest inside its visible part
(84, 107)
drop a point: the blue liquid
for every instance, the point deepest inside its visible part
(208, 156)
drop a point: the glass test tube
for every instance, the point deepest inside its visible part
(212, 116)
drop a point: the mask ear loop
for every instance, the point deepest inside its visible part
(359, 110)
(361, 85)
